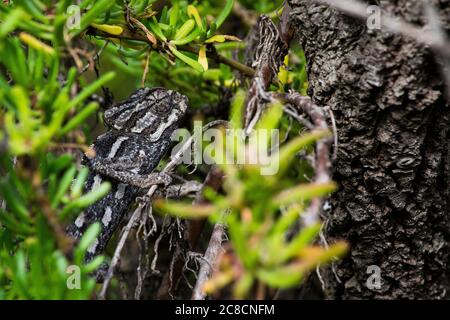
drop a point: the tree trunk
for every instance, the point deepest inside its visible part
(388, 99)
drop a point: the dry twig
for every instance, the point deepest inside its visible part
(210, 260)
(322, 161)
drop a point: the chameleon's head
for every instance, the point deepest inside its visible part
(147, 111)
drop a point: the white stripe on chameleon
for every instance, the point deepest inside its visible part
(80, 220)
(115, 147)
(127, 114)
(107, 216)
(173, 117)
(93, 246)
(123, 119)
(144, 122)
(121, 108)
(97, 182)
(120, 191)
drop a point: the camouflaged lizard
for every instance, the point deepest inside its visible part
(139, 135)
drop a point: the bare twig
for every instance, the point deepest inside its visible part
(146, 68)
(96, 57)
(143, 263)
(335, 133)
(164, 228)
(267, 49)
(294, 114)
(75, 57)
(310, 217)
(213, 180)
(134, 218)
(210, 260)
(322, 162)
(194, 228)
(70, 145)
(150, 36)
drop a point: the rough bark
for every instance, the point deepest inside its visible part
(387, 97)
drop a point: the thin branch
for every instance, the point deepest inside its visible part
(96, 57)
(134, 218)
(194, 228)
(209, 261)
(146, 68)
(322, 162)
(150, 36)
(335, 133)
(245, 70)
(266, 51)
(270, 50)
(128, 35)
(70, 145)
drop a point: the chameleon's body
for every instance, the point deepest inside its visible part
(139, 135)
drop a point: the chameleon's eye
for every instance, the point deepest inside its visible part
(163, 107)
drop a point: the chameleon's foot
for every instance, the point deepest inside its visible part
(159, 178)
(100, 274)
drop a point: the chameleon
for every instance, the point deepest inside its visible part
(138, 136)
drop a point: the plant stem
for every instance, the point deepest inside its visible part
(128, 35)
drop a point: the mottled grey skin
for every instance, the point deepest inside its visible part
(138, 137)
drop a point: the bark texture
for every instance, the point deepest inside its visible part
(387, 97)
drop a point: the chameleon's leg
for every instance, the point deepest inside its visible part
(128, 176)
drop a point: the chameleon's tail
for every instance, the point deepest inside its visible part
(109, 212)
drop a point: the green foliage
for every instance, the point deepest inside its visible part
(36, 269)
(42, 103)
(177, 40)
(259, 210)
(34, 256)
(263, 6)
(47, 115)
